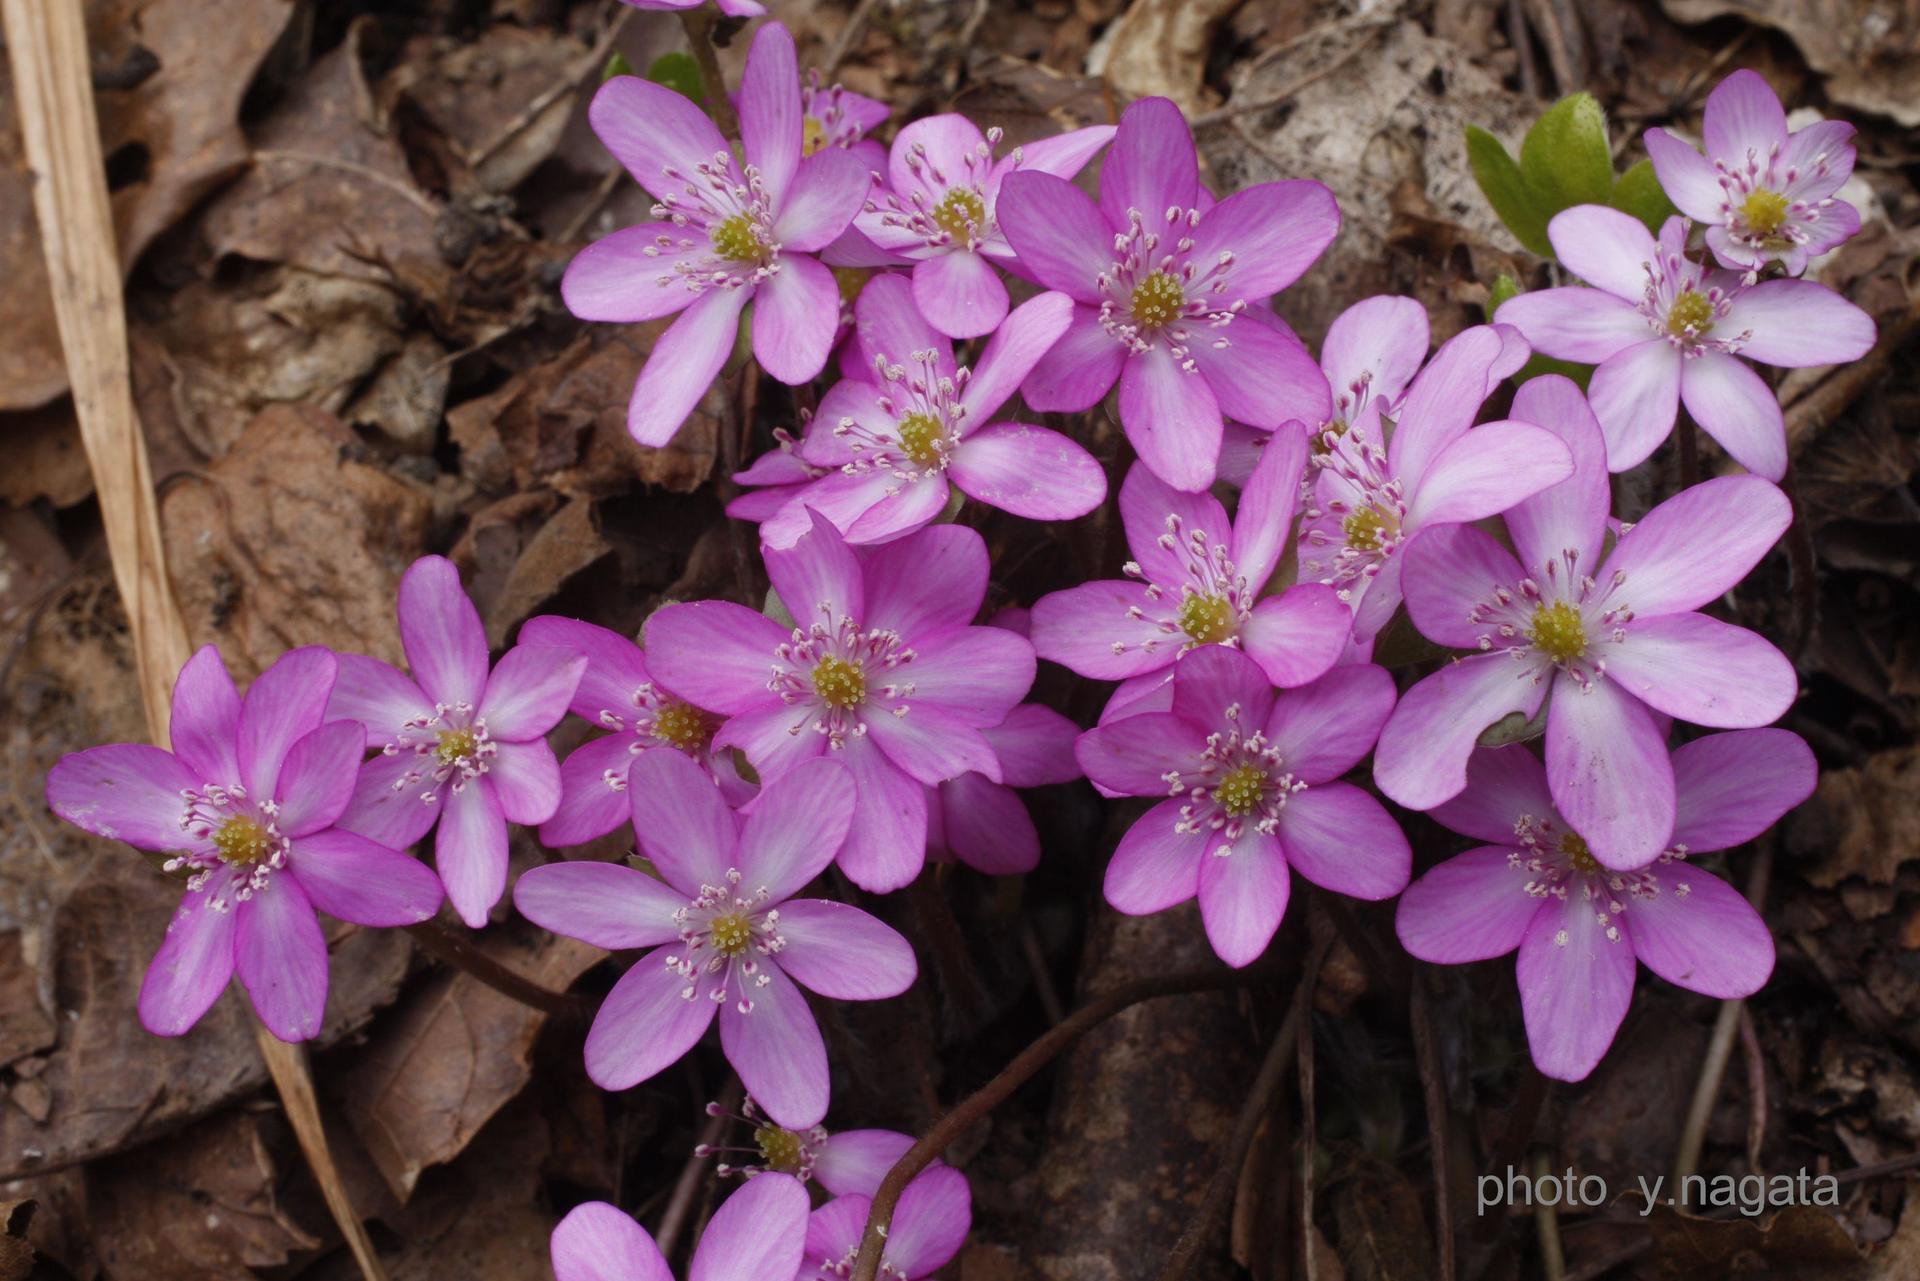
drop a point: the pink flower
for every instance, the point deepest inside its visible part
(845, 1162)
(772, 480)
(759, 1233)
(1162, 292)
(898, 436)
(1195, 580)
(732, 8)
(1612, 636)
(1664, 330)
(1536, 886)
(882, 670)
(1765, 195)
(246, 803)
(725, 234)
(832, 116)
(1372, 495)
(938, 211)
(617, 692)
(459, 745)
(726, 935)
(984, 824)
(1251, 782)
(930, 1224)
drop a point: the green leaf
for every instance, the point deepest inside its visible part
(1504, 288)
(1640, 194)
(680, 73)
(1505, 188)
(1565, 158)
(617, 65)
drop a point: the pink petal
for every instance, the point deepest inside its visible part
(1743, 116)
(1081, 627)
(853, 1162)
(615, 666)
(887, 844)
(1342, 840)
(1703, 671)
(931, 744)
(776, 1048)
(1635, 394)
(1243, 896)
(896, 516)
(1265, 516)
(1323, 729)
(193, 964)
(1444, 400)
(286, 702)
(318, 777)
(529, 691)
(281, 956)
(1735, 406)
(1149, 510)
(526, 781)
(1421, 759)
(470, 851)
(818, 578)
(841, 952)
(682, 821)
(1488, 470)
(387, 809)
(441, 632)
(960, 293)
(1155, 866)
(947, 144)
(1382, 339)
(798, 824)
(1729, 788)
(1221, 689)
(1274, 231)
(597, 1242)
(775, 737)
(713, 653)
(1699, 933)
(1015, 348)
(1063, 155)
(1151, 166)
(930, 1223)
(770, 126)
(629, 275)
(1060, 236)
(932, 581)
(378, 696)
(1697, 545)
(609, 905)
(852, 402)
(1172, 418)
(1686, 176)
(1796, 323)
(1575, 986)
(845, 499)
(1297, 635)
(206, 718)
(352, 878)
(647, 1023)
(1572, 515)
(1078, 369)
(1449, 570)
(1035, 746)
(796, 313)
(1029, 471)
(1504, 784)
(1572, 323)
(686, 359)
(588, 807)
(1470, 908)
(760, 1231)
(649, 129)
(827, 192)
(1607, 767)
(976, 675)
(1259, 377)
(1604, 247)
(125, 792)
(1133, 755)
(987, 827)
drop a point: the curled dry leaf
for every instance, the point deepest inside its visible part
(1869, 53)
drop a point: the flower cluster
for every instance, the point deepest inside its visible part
(869, 719)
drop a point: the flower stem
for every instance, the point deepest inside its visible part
(699, 27)
(1017, 1073)
(444, 945)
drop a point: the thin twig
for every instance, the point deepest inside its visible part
(1546, 1221)
(1309, 1123)
(674, 1220)
(856, 23)
(425, 203)
(1800, 558)
(582, 67)
(699, 28)
(1280, 96)
(1756, 1089)
(1029, 1061)
(445, 945)
(1427, 1050)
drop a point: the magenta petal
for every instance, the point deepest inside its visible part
(526, 781)
(1243, 896)
(776, 1048)
(932, 745)
(1421, 759)
(1062, 240)
(318, 777)
(1343, 840)
(1274, 231)
(775, 737)
(615, 666)
(1447, 571)
(125, 792)
(686, 359)
(1703, 671)
(1260, 377)
(286, 702)
(818, 578)
(1735, 406)
(1029, 471)
(759, 1232)
(1607, 767)
(193, 964)
(629, 275)
(1575, 985)
(1035, 746)
(386, 808)
(976, 675)
(1324, 729)
(714, 653)
(1504, 784)
(1635, 395)
(1743, 115)
(649, 128)
(1487, 470)
(1078, 369)
(206, 718)
(352, 878)
(798, 824)
(1133, 755)
(1172, 418)
(887, 844)
(930, 1223)
(1151, 166)
(820, 206)
(932, 581)
(1015, 348)
(1697, 932)
(1687, 177)
(470, 851)
(1265, 516)
(796, 312)
(960, 293)
(987, 827)
(1470, 908)
(377, 695)
(841, 952)
(1699, 544)
(1297, 635)
(281, 956)
(597, 1242)
(889, 326)
(1383, 338)
(1089, 629)
(1150, 508)
(652, 1017)
(1571, 323)
(609, 905)
(933, 153)
(1572, 515)
(1796, 323)
(529, 691)
(1445, 399)
(853, 1162)
(1156, 865)
(681, 819)
(893, 516)
(770, 125)
(1220, 689)
(441, 632)
(1729, 788)
(1604, 247)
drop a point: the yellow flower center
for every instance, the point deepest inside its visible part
(813, 135)
(1575, 848)
(241, 840)
(1157, 300)
(1207, 619)
(960, 213)
(731, 934)
(738, 240)
(682, 725)
(1239, 792)
(456, 745)
(1690, 316)
(840, 683)
(1558, 631)
(1765, 211)
(921, 438)
(780, 1149)
(1365, 527)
